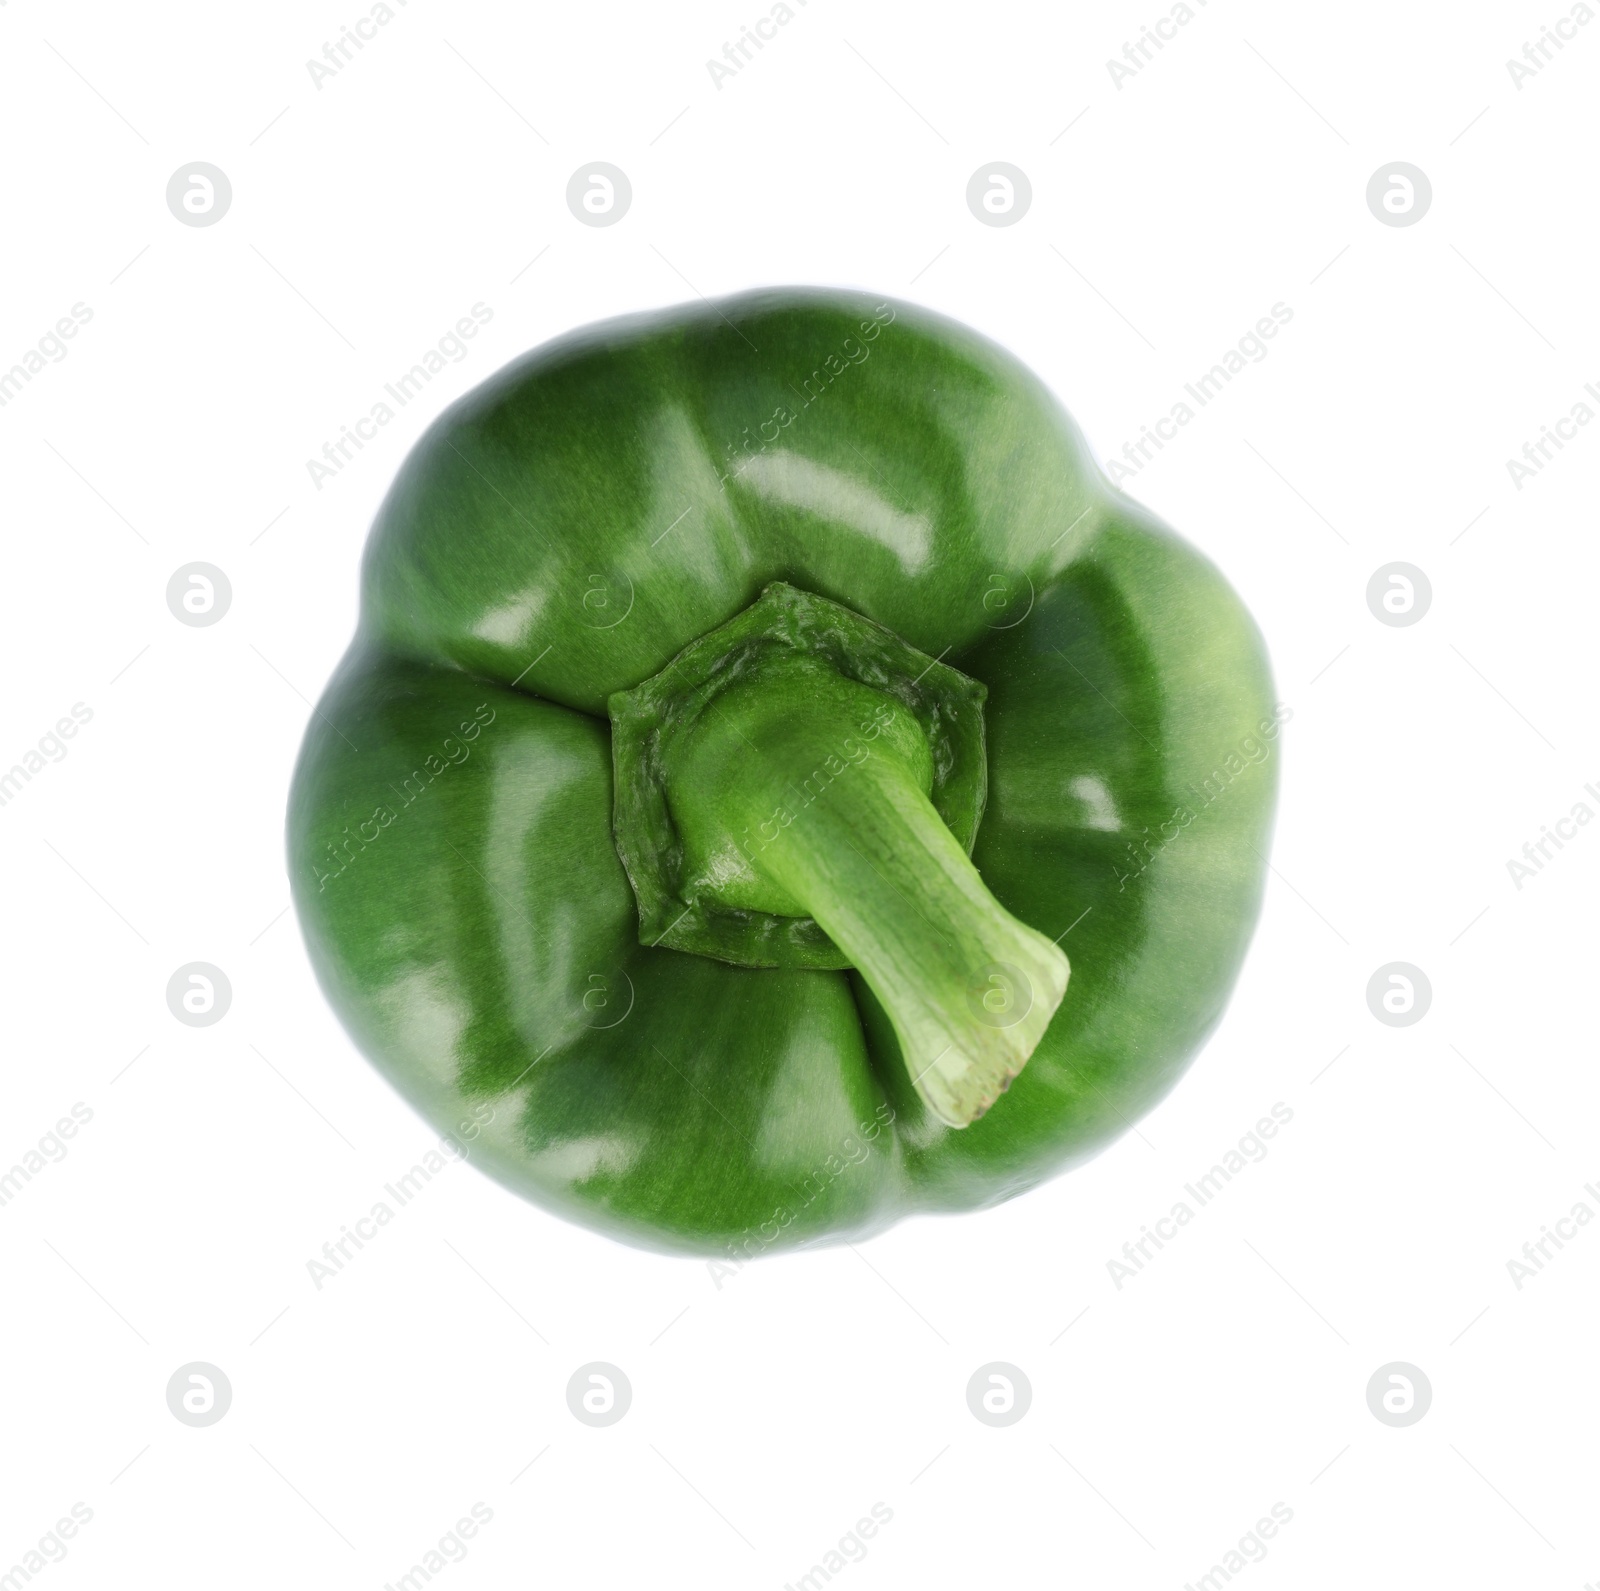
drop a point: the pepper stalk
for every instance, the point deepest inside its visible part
(790, 791)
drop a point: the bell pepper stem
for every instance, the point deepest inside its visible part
(856, 843)
(969, 989)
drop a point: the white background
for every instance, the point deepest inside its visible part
(1169, 214)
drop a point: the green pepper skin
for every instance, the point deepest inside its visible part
(561, 534)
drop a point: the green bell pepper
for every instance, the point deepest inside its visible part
(752, 707)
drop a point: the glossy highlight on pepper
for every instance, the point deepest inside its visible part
(777, 784)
